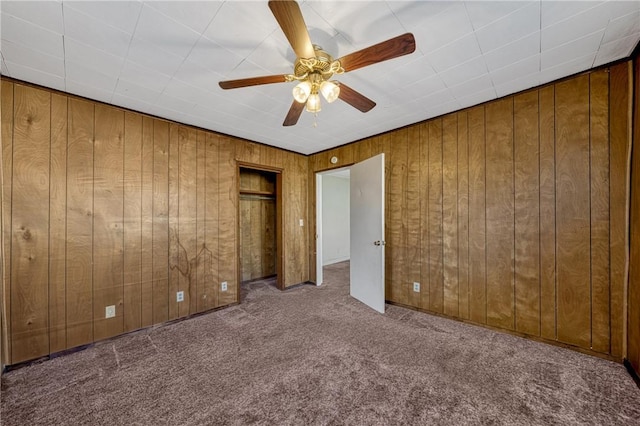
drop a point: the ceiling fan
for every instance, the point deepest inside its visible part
(314, 67)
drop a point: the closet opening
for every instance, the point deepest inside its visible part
(260, 226)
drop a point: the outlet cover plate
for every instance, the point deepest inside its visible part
(110, 311)
(223, 286)
(416, 287)
(180, 296)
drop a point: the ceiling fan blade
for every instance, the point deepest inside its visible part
(252, 81)
(392, 48)
(355, 99)
(294, 114)
(289, 16)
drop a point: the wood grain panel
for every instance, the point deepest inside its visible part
(146, 309)
(108, 235)
(546, 108)
(450, 213)
(132, 256)
(527, 213)
(58, 225)
(30, 221)
(477, 216)
(6, 105)
(619, 136)
(617, 90)
(500, 213)
(210, 255)
(177, 260)
(397, 214)
(572, 211)
(599, 182)
(412, 244)
(424, 217)
(187, 221)
(257, 243)
(201, 252)
(160, 221)
(227, 211)
(80, 223)
(463, 215)
(436, 278)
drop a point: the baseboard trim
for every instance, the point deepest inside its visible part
(633, 373)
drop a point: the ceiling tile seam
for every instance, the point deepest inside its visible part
(540, 39)
(599, 44)
(405, 29)
(572, 16)
(135, 27)
(64, 48)
(184, 59)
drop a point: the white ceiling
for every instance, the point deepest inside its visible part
(166, 58)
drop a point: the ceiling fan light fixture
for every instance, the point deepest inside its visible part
(330, 90)
(302, 91)
(313, 103)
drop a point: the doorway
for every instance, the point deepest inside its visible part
(259, 226)
(332, 219)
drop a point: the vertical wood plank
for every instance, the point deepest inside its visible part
(424, 217)
(436, 278)
(146, 310)
(500, 213)
(477, 216)
(412, 244)
(633, 325)
(201, 188)
(132, 257)
(108, 200)
(463, 215)
(58, 225)
(187, 219)
(160, 221)
(244, 238)
(527, 213)
(210, 252)
(599, 150)
(620, 141)
(548, 304)
(396, 244)
(177, 261)
(30, 242)
(227, 211)
(6, 94)
(572, 211)
(80, 223)
(450, 213)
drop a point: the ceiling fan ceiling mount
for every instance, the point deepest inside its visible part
(314, 67)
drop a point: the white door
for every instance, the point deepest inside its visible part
(367, 232)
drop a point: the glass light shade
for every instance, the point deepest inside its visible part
(313, 103)
(330, 90)
(301, 92)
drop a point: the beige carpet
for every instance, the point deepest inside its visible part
(313, 355)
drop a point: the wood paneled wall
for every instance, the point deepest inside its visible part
(633, 325)
(257, 224)
(108, 207)
(511, 214)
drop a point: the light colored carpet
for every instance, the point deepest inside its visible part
(313, 355)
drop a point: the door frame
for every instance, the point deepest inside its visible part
(317, 222)
(279, 229)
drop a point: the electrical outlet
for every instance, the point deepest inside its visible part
(180, 296)
(110, 311)
(223, 286)
(416, 287)
(301, 222)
